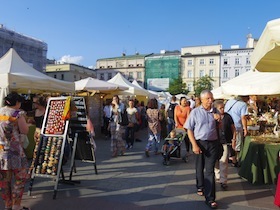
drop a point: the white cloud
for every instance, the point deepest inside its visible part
(70, 59)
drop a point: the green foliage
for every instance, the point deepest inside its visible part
(177, 86)
(203, 83)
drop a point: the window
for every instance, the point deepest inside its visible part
(201, 61)
(236, 72)
(139, 64)
(190, 63)
(248, 69)
(75, 77)
(225, 75)
(189, 86)
(190, 74)
(211, 73)
(62, 76)
(248, 61)
(54, 76)
(102, 76)
(225, 61)
(109, 76)
(211, 61)
(237, 61)
(201, 73)
(130, 65)
(109, 67)
(130, 75)
(139, 75)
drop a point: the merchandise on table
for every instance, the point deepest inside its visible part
(55, 124)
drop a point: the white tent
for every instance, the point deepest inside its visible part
(218, 94)
(96, 85)
(17, 75)
(118, 79)
(266, 55)
(151, 94)
(253, 83)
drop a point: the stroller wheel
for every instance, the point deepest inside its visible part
(185, 158)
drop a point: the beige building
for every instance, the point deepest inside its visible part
(199, 61)
(69, 72)
(131, 66)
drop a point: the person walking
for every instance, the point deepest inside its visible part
(106, 119)
(39, 103)
(117, 130)
(13, 161)
(153, 118)
(163, 122)
(132, 114)
(238, 110)
(227, 137)
(170, 114)
(202, 132)
(181, 113)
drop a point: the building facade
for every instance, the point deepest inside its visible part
(69, 72)
(31, 50)
(199, 61)
(130, 66)
(236, 61)
(161, 69)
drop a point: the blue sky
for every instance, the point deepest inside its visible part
(86, 30)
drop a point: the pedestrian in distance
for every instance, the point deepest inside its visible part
(153, 118)
(227, 137)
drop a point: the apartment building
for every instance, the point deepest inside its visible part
(236, 61)
(32, 51)
(130, 66)
(69, 72)
(198, 61)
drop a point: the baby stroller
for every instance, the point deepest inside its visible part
(172, 146)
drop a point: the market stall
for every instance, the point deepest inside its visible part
(259, 159)
(265, 57)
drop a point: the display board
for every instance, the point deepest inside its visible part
(84, 147)
(49, 153)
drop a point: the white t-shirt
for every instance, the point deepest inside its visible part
(131, 114)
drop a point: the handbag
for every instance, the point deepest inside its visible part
(24, 140)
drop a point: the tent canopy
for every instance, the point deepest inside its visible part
(266, 55)
(151, 94)
(17, 75)
(91, 84)
(118, 79)
(253, 83)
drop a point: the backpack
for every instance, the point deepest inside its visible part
(170, 111)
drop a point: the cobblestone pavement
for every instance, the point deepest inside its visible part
(134, 181)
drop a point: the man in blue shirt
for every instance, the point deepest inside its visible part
(238, 110)
(202, 131)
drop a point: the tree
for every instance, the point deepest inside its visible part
(177, 86)
(203, 83)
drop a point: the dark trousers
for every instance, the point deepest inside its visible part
(106, 123)
(207, 159)
(129, 135)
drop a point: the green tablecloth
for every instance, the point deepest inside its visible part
(259, 162)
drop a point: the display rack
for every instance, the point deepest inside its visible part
(50, 151)
(84, 149)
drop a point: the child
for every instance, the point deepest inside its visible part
(168, 146)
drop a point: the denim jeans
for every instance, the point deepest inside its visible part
(153, 139)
